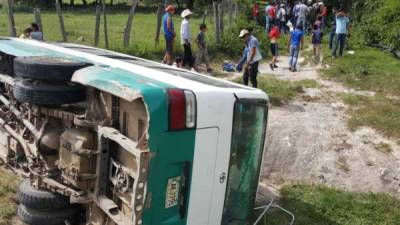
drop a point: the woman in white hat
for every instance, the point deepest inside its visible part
(186, 37)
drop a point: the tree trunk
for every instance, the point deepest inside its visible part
(61, 21)
(72, 3)
(97, 25)
(105, 24)
(221, 18)
(160, 11)
(216, 23)
(128, 27)
(84, 3)
(38, 18)
(11, 22)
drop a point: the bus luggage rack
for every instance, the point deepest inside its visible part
(270, 204)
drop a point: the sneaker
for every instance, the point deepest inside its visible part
(294, 69)
(271, 66)
(275, 66)
(290, 69)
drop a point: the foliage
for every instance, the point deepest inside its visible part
(7, 191)
(320, 205)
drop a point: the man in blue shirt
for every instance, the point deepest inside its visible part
(296, 42)
(342, 29)
(253, 57)
(169, 34)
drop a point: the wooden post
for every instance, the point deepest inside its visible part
(38, 18)
(221, 18)
(160, 11)
(105, 24)
(61, 20)
(216, 23)
(204, 16)
(11, 22)
(97, 25)
(128, 27)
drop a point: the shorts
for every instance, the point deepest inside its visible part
(202, 56)
(274, 49)
(169, 45)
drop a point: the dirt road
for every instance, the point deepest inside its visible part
(309, 141)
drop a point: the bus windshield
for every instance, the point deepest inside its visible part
(248, 136)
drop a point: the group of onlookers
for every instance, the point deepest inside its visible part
(188, 60)
(298, 19)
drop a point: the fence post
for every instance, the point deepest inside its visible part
(97, 25)
(128, 27)
(159, 17)
(38, 18)
(61, 20)
(216, 22)
(221, 17)
(105, 24)
(11, 22)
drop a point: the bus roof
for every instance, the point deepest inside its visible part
(112, 70)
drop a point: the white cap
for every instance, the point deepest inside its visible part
(186, 13)
(243, 33)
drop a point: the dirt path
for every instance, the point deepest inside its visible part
(309, 141)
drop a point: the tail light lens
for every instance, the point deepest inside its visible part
(182, 109)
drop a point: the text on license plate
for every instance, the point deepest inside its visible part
(172, 194)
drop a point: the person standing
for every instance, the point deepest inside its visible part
(342, 29)
(256, 11)
(296, 42)
(272, 16)
(316, 41)
(323, 14)
(303, 12)
(169, 34)
(186, 39)
(274, 37)
(36, 34)
(267, 22)
(202, 54)
(253, 57)
(281, 16)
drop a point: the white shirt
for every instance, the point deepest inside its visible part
(185, 32)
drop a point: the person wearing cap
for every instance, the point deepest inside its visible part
(342, 31)
(186, 37)
(169, 34)
(253, 57)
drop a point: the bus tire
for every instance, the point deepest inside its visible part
(46, 68)
(40, 93)
(40, 199)
(58, 217)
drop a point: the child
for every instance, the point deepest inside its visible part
(202, 54)
(316, 41)
(274, 37)
(319, 22)
(26, 34)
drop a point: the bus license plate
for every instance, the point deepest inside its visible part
(172, 192)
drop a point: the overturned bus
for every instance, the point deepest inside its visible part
(104, 138)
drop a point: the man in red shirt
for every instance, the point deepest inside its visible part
(324, 14)
(256, 11)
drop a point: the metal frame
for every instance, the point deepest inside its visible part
(269, 206)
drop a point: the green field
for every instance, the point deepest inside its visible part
(80, 24)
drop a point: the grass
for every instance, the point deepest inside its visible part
(80, 25)
(384, 147)
(281, 92)
(379, 112)
(320, 205)
(8, 186)
(369, 69)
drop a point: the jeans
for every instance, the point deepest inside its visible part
(251, 72)
(340, 42)
(331, 38)
(187, 56)
(294, 55)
